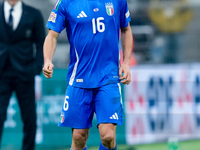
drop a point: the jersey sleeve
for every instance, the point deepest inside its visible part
(124, 14)
(57, 18)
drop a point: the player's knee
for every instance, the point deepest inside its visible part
(108, 138)
(80, 139)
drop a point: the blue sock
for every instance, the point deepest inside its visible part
(83, 149)
(101, 147)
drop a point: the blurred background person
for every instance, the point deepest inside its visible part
(171, 18)
(21, 58)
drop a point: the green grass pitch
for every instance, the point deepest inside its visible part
(184, 145)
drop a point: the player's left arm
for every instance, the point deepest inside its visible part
(127, 46)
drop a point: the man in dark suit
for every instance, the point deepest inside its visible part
(21, 58)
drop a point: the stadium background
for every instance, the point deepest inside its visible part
(163, 100)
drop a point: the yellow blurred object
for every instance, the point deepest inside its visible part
(170, 16)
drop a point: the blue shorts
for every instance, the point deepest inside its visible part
(80, 105)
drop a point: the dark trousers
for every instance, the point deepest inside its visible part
(9, 82)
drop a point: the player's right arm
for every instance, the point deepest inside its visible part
(48, 51)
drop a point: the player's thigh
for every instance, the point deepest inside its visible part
(108, 104)
(78, 108)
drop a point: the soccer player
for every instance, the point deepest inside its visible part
(94, 74)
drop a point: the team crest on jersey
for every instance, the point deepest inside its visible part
(109, 9)
(57, 5)
(52, 17)
(62, 118)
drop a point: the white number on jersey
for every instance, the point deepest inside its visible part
(98, 25)
(66, 104)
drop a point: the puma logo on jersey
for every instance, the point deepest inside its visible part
(114, 116)
(82, 15)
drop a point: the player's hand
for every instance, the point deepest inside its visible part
(48, 69)
(125, 74)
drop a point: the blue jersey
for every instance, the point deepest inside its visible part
(93, 32)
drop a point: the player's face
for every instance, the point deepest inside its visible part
(12, 2)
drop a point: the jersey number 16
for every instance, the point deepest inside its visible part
(98, 25)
